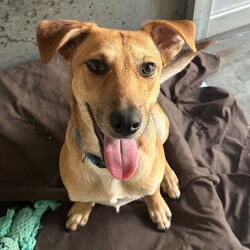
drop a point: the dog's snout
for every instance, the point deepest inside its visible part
(126, 121)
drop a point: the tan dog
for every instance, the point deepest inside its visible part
(113, 151)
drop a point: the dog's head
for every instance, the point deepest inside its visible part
(115, 71)
(116, 74)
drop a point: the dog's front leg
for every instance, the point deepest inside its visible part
(158, 210)
(78, 215)
(170, 183)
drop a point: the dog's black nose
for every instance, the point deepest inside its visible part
(125, 121)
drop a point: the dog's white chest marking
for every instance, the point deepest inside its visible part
(118, 202)
(113, 193)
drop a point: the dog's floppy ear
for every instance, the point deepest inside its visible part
(60, 35)
(170, 35)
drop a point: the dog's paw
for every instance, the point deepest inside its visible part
(78, 215)
(160, 214)
(170, 184)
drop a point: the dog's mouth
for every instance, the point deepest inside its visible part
(120, 155)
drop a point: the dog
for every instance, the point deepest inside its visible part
(113, 150)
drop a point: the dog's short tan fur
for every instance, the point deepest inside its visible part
(122, 86)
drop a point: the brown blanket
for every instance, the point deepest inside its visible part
(208, 148)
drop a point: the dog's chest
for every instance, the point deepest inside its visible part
(110, 191)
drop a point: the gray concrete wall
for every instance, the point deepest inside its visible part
(19, 18)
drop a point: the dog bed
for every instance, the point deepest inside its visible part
(208, 148)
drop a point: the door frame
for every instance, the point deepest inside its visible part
(209, 24)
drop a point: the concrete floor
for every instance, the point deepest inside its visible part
(234, 73)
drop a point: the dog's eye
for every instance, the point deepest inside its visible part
(97, 66)
(147, 69)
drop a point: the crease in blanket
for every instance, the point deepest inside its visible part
(18, 229)
(189, 176)
(244, 161)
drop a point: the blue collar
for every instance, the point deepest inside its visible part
(96, 160)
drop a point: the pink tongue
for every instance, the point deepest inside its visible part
(121, 157)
